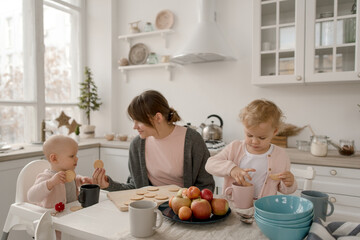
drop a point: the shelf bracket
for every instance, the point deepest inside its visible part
(165, 37)
(125, 75)
(169, 70)
(128, 40)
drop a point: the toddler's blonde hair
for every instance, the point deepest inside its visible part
(261, 111)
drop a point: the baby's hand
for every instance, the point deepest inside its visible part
(85, 180)
(240, 174)
(59, 177)
(287, 177)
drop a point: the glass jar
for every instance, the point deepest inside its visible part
(303, 145)
(319, 145)
(152, 58)
(148, 27)
(346, 147)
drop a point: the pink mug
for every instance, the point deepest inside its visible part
(241, 196)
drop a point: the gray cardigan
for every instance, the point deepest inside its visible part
(195, 157)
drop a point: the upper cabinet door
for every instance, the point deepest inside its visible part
(332, 41)
(278, 41)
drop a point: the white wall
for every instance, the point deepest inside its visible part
(199, 90)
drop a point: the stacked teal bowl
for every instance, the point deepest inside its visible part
(283, 217)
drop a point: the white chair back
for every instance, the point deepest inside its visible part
(44, 229)
(27, 178)
(308, 174)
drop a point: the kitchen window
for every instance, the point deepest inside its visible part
(40, 65)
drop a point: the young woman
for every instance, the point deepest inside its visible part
(163, 153)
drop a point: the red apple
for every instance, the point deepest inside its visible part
(182, 192)
(219, 206)
(185, 213)
(201, 208)
(193, 192)
(178, 202)
(170, 201)
(206, 194)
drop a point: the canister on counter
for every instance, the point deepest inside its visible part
(319, 145)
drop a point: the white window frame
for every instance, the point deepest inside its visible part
(34, 53)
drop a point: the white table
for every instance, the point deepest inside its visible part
(105, 221)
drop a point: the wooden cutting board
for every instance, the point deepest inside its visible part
(122, 199)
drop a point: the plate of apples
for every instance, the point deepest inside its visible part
(190, 205)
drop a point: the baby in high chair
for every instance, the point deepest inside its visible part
(255, 160)
(59, 183)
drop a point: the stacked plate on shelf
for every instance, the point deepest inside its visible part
(284, 217)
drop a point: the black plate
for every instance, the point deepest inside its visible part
(169, 213)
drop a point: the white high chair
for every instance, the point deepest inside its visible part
(44, 229)
(307, 174)
(22, 215)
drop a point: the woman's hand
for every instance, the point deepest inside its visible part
(240, 174)
(287, 178)
(59, 177)
(100, 178)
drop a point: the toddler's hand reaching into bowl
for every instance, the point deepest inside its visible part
(240, 174)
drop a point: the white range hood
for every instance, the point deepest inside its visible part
(207, 43)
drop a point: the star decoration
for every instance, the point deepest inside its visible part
(63, 119)
(72, 126)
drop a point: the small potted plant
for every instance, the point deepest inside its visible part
(89, 101)
(77, 133)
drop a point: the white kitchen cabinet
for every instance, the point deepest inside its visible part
(85, 165)
(343, 187)
(298, 41)
(116, 163)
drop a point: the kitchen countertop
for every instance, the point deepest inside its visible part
(333, 159)
(35, 150)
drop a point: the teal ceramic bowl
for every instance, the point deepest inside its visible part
(281, 233)
(283, 207)
(286, 224)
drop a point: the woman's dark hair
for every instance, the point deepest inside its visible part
(147, 104)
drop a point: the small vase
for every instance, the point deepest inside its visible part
(88, 131)
(148, 27)
(152, 58)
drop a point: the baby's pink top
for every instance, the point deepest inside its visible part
(231, 156)
(165, 158)
(40, 195)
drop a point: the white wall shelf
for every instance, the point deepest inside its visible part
(167, 66)
(163, 33)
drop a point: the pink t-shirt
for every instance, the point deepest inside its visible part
(165, 158)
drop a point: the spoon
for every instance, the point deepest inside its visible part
(247, 220)
(246, 216)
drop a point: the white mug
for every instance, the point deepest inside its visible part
(143, 218)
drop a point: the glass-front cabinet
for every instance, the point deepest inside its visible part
(332, 41)
(297, 41)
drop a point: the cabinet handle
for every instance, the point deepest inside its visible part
(332, 199)
(333, 172)
(298, 78)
